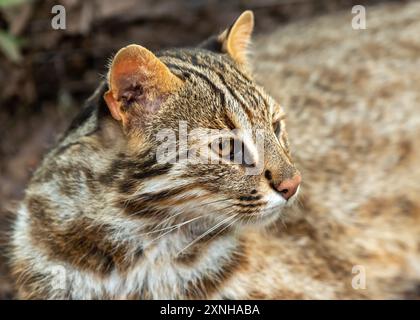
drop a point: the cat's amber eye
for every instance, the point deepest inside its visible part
(223, 147)
(232, 150)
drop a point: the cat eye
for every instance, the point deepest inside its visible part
(224, 148)
(233, 150)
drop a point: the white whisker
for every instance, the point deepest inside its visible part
(206, 233)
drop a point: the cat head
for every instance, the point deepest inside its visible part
(198, 113)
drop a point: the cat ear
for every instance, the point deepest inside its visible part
(138, 80)
(236, 40)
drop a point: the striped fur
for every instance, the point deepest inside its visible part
(102, 211)
(102, 219)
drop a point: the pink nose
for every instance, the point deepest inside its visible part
(288, 188)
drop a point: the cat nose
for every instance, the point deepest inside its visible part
(288, 187)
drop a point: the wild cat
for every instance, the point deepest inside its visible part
(102, 218)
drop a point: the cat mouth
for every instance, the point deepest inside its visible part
(265, 215)
(260, 218)
(271, 212)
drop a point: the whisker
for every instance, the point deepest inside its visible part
(230, 224)
(170, 227)
(188, 200)
(174, 228)
(181, 212)
(205, 233)
(167, 232)
(216, 201)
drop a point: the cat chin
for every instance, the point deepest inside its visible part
(274, 200)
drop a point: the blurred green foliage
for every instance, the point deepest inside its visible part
(10, 44)
(10, 3)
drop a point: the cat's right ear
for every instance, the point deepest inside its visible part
(236, 40)
(138, 84)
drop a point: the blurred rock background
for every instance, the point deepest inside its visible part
(46, 74)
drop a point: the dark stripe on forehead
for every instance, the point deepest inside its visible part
(210, 61)
(244, 106)
(202, 71)
(221, 65)
(203, 77)
(242, 86)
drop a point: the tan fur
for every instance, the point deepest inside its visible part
(351, 98)
(236, 40)
(135, 67)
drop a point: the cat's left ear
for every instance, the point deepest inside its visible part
(138, 84)
(235, 40)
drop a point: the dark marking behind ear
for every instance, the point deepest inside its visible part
(212, 44)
